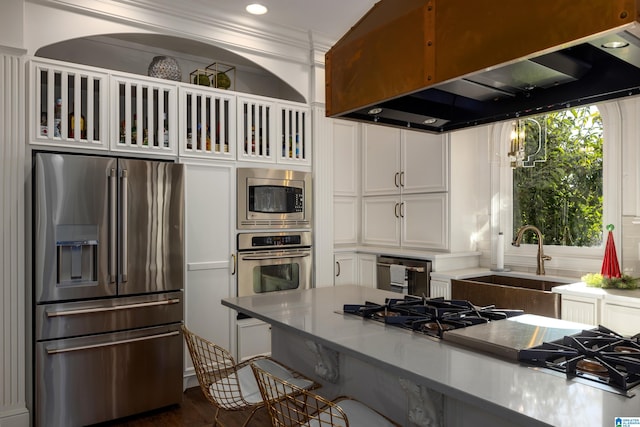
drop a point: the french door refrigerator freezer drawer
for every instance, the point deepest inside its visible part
(71, 319)
(87, 380)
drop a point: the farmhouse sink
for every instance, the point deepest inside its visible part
(533, 295)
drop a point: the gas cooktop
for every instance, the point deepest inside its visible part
(595, 356)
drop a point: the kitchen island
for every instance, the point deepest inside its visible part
(415, 379)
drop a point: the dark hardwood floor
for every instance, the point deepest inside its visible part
(195, 411)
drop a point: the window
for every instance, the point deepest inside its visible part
(572, 259)
(557, 181)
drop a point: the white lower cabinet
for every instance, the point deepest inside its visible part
(367, 270)
(254, 338)
(440, 288)
(345, 269)
(608, 308)
(621, 317)
(580, 309)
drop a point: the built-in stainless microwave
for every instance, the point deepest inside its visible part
(273, 198)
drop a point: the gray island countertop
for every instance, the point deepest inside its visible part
(499, 387)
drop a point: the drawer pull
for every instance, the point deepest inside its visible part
(114, 308)
(110, 343)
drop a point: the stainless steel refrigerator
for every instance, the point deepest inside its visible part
(108, 287)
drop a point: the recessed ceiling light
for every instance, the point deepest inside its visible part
(376, 110)
(256, 9)
(430, 121)
(615, 45)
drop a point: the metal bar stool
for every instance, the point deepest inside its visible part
(290, 405)
(233, 386)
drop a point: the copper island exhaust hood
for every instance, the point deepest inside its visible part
(441, 65)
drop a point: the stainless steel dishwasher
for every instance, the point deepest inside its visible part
(416, 272)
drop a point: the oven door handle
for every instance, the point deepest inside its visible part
(265, 257)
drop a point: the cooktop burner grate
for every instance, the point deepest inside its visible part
(429, 316)
(598, 355)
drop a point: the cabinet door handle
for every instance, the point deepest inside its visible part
(402, 179)
(233, 263)
(396, 179)
(395, 210)
(402, 210)
(338, 268)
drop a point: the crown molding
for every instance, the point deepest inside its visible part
(209, 26)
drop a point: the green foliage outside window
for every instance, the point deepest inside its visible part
(561, 193)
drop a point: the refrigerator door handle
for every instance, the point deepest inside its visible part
(124, 226)
(110, 343)
(112, 225)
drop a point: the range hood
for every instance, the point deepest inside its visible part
(441, 65)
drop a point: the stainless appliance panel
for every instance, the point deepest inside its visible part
(418, 273)
(505, 338)
(106, 227)
(248, 220)
(152, 214)
(69, 319)
(132, 372)
(72, 224)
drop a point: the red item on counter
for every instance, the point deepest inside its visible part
(610, 266)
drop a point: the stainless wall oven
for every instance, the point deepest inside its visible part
(273, 261)
(273, 198)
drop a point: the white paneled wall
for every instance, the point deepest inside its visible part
(13, 412)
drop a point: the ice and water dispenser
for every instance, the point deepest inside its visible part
(77, 252)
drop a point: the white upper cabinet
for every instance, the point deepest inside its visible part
(425, 161)
(345, 158)
(207, 123)
(346, 169)
(256, 129)
(144, 115)
(405, 178)
(403, 161)
(98, 109)
(270, 131)
(382, 160)
(293, 127)
(58, 92)
(381, 221)
(425, 220)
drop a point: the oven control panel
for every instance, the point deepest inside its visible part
(265, 241)
(252, 241)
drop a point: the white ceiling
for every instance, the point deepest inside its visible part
(327, 20)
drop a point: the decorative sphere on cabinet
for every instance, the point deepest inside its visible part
(165, 67)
